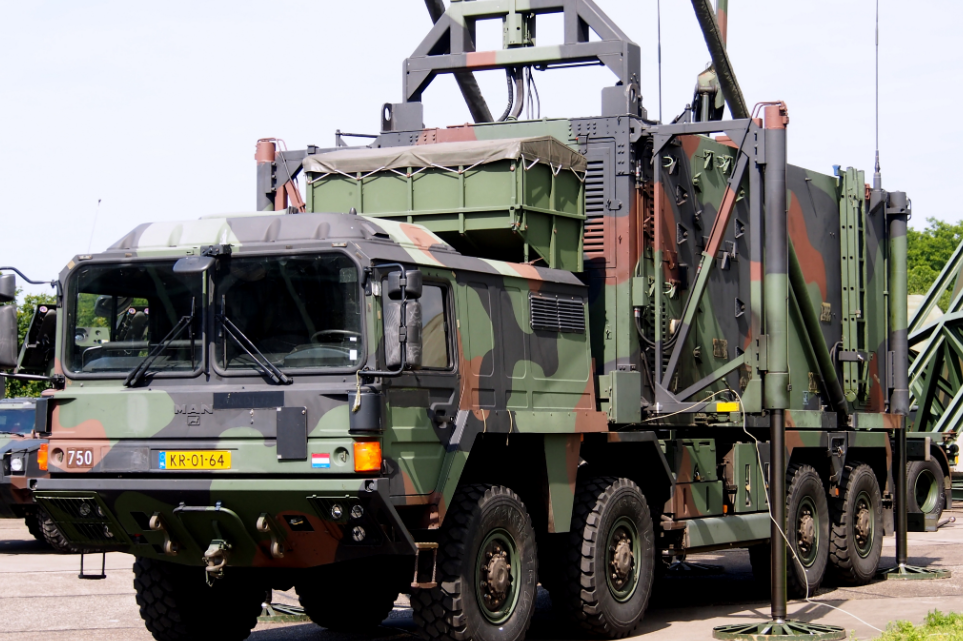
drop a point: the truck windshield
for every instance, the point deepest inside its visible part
(118, 314)
(299, 312)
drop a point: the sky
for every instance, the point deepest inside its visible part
(153, 109)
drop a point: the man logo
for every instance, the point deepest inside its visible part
(193, 408)
(193, 412)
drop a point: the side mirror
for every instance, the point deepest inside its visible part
(8, 336)
(8, 288)
(411, 280)
(394, 338)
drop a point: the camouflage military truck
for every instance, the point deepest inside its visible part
(475, 359)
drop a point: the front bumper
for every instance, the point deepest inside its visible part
(265, 522)
(18, 472)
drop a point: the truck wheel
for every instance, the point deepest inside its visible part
(359, 597)
(52, 535)
(176, 603)
(34, 526)
(487, 570)
(924, 488)
(609, 559)
(807, 515)
(857, 537)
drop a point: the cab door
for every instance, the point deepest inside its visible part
(421, 405)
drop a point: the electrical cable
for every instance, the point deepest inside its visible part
(534, 90)
(519, 93)
(779, 527)
(510, 79)
(682, 411)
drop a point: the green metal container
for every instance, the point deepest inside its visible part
(518, 200)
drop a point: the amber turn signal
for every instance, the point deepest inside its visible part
(42, 457)
(367, 456)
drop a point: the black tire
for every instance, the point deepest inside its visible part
(52, 535)
(807, 518)
(34, 526)
(857, 533)
(484, 522)
(609, 561)
(356, 596)
(925, 488)
(176, 603)
(804, 493)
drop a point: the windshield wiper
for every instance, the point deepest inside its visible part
(140, 370)
(16, 433)
(260, 362)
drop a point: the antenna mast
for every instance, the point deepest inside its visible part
(877, 178)
(658, 19)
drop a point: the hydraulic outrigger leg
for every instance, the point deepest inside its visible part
(896, 207)
(776, 391)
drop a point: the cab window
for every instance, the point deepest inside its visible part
(435, 328)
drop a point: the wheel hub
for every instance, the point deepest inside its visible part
(623, 560)
(807, 532)
(497, 580)
(621, 554)
(863, 527)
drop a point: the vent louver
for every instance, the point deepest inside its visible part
(557, 313)
(595, 221)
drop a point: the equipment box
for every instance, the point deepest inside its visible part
(520, 200)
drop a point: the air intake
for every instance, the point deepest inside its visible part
(555, 313)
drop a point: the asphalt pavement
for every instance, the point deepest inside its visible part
(41, 597)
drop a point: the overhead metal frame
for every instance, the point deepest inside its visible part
(449, 48)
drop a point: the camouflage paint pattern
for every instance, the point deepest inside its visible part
(512, 395)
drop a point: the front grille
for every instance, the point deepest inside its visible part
(84, 520)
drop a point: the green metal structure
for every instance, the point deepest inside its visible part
(472, 360)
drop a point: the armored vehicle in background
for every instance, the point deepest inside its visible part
(23, 454)
(18, 462)
(472, 360)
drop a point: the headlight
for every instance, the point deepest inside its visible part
(16, 464)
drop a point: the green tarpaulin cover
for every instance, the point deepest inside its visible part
(452, 155)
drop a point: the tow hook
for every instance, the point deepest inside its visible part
(267, 525)
(159, 524)
(216, 559)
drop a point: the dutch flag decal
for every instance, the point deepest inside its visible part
(320, 460)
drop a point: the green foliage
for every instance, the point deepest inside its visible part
(928, 251)
(85, 311)
(946, 627)
(24, 313)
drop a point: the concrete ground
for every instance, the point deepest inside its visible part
(41, 598)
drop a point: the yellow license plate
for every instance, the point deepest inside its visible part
(195, 460)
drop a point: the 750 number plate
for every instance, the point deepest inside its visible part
(194, 460)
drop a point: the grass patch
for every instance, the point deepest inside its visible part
(937, 627)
